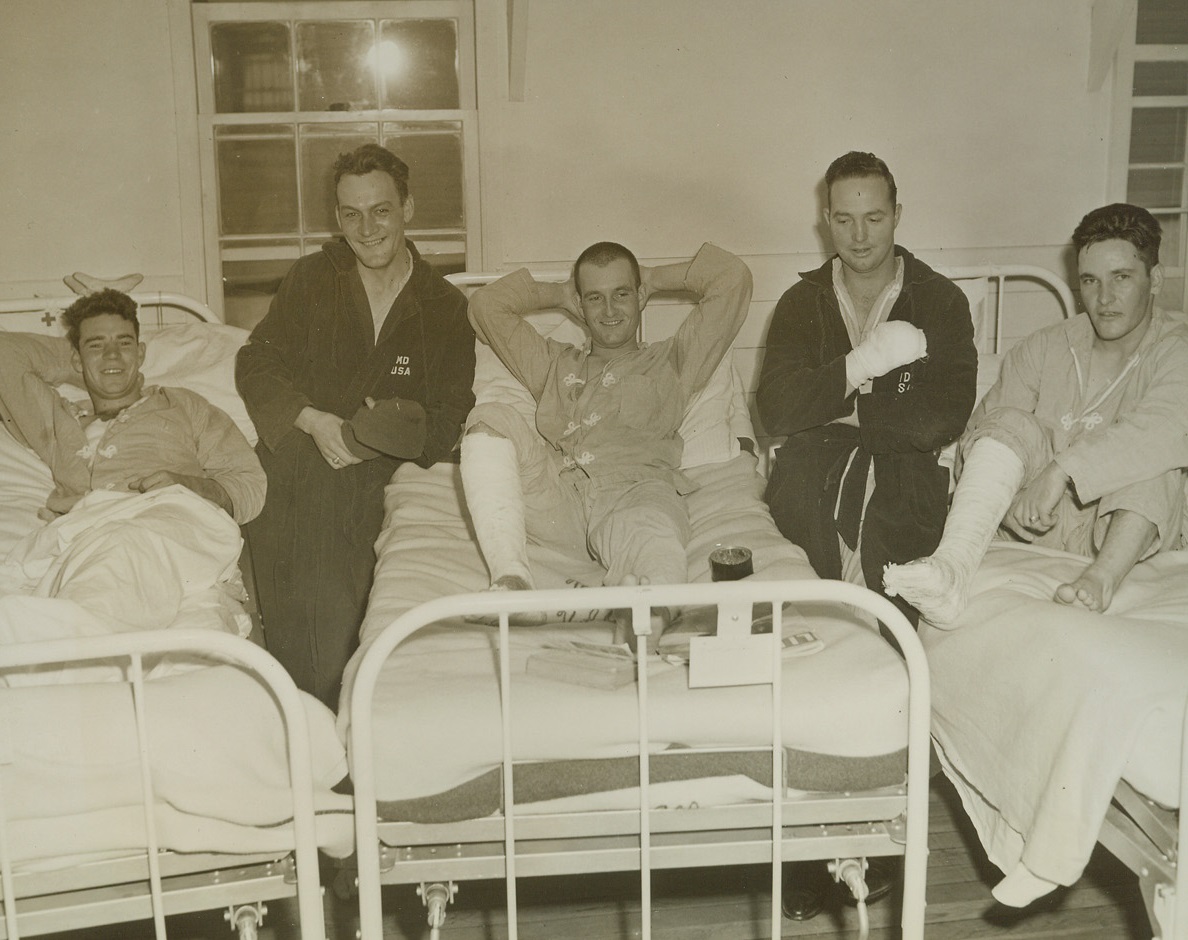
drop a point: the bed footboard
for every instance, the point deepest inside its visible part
(157, 882)
(508, 845)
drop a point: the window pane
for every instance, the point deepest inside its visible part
(331, 65)
(1160, 78)
(257, 186)
(320, 147)
(418, 61)
(252, 67)
(1155, 188)
(434, 158)
(1157, 135)
(1172, 295)
(1171, 249)
(447, 254)
(1162, 22)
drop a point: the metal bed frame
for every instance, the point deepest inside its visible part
(889, 821)
(41, 313)
(1146, 837)
(157, 882)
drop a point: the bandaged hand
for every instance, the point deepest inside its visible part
(890, 344)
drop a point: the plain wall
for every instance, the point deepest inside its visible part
(665, 123)
(97, 160)
(659, 124)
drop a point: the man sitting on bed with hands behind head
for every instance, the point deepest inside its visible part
(599, 476)
(128, 437)
(1079, 445)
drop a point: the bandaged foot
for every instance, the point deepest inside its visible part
(932, 585)
(84, 284)
(938, 586)
(512, 582)
(662, 618)
(1093, 590)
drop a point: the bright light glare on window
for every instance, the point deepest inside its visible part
(387, 58)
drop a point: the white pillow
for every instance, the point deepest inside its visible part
(199, 357)
(715, 420)
(26, 485)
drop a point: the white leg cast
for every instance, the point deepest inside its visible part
(938, 586)
(491, 480)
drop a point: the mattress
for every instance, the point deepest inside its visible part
(436, 712)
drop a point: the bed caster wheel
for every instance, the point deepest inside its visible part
(436, 897)
(246, 920)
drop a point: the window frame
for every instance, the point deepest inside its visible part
(1125, 104)
(204, 15)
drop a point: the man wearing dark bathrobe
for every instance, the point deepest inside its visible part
(365, 321)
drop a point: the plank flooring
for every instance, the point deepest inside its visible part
(732, 904)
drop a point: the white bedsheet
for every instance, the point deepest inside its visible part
(70, 775)
(1040, 708)
(436, 710)
(123, 562)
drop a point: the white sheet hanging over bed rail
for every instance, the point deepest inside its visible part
(1040, 708)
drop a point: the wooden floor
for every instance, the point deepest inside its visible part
(732, 904)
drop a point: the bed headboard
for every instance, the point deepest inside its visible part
(985, 285)
(157, 309)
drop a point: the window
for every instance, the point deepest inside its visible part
(284, 88)
(1157, 154)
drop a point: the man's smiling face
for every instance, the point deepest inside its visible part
(109, 358)
(372, 217)
(611, 303)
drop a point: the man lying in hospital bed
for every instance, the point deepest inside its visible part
(149, 483)
(602, 478)
(1056, 660)
(118, 560)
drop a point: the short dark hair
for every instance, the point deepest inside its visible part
(100, 302)
(856, 165)
(1121, 220)
(367, 159)
(601, 254)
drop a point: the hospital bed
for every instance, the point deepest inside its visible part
(1060, 727)
(177, 770)
(500, 752)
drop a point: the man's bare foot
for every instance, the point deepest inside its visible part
(511, 582)
(1093, 590)
(932, 585)
(625, 632)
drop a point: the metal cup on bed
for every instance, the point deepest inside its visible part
(730, 563)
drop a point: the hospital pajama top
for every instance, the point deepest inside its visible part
(167, 429)
(1106, 439)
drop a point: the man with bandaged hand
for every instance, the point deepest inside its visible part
(870, 370)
